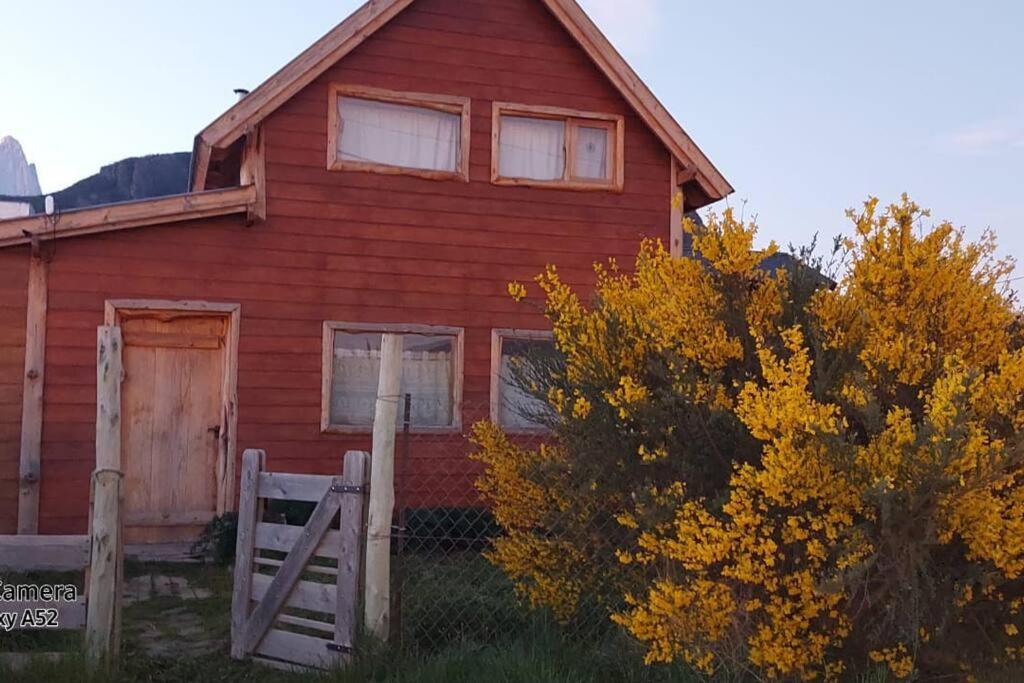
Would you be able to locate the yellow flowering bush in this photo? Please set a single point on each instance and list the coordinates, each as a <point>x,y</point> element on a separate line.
<point>796,482</point>
<point>644,389</point>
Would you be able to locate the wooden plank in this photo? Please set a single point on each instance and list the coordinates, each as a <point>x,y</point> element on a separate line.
<point>288,575</point>
<point>253,462</point>
<point>302,649</point>
<point>377,597</point>
<point>200,165</point>
<point>178,518</point>
<point>309,488</point>
<point>127,215</point>
<point>311,624</point>
<point>350,560</point>
<point>116,309</point>
<point>103,621</point>
<point>310,568</point>
<point>109,374</point>
<point>71,615</point>
<point>307,595</point>
<point>166,340</point>
<point>44,553</point>
<point>283,537</point>
<point>32,396</point>
<point>253,171</point>
<point>228,445</point>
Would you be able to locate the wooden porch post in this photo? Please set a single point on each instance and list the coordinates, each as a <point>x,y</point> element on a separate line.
<point>32,395</point>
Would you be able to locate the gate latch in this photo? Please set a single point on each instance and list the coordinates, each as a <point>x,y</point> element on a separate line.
<point>335,647</point>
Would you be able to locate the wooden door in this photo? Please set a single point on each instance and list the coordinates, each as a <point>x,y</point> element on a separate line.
<point>174,423</point>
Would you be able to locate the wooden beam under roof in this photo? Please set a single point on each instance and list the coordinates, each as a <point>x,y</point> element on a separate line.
<point>123,216</point>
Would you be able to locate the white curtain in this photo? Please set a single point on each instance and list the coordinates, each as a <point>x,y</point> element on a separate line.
<point>531,148</point>
<point>592,152</point>
<point>426,375</point>
<point>517,406</point>
<point>398,135</point>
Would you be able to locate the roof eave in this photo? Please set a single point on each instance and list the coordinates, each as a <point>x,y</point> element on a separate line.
<point>124,215</point>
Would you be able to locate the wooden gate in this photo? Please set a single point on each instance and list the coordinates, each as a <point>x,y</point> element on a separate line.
<point>296,587</point>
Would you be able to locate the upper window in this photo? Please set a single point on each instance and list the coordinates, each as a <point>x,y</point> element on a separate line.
<point>431,376</point>
<point>516,356</point>
<point>546,146</point>
<point>391,132</point>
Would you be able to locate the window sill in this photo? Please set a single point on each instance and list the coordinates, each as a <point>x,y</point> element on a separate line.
<point>366,430</point>
<point>364,167</point>
<point>524,431</point>
<point>573,185</point>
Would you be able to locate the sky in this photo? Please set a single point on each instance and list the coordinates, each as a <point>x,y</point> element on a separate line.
<point>807,107</point>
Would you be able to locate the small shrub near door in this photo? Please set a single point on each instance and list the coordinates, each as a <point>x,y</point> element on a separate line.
<point>761,471</point>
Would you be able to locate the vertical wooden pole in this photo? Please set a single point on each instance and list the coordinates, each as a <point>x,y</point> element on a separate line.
<point>676,236</point>
<point>377,599</point>
<point>103,619</point>
<point>32,397</point>
<point>109,372</point>
<point>103,622</point>
<point>253,462</point>
<point>350,556</point>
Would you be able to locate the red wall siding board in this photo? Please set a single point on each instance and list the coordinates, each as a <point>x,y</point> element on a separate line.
<point>351,247</point>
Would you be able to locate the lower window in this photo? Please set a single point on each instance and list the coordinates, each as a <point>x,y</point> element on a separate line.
<point>431,376</point>
<point>516,355</point>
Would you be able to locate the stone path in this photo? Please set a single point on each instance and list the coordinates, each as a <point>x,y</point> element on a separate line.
<point>152,585</point>
<point>175,632</point>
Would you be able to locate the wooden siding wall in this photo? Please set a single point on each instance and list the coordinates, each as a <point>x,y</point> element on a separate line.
<point>13,299</point>
<point>354,247</point>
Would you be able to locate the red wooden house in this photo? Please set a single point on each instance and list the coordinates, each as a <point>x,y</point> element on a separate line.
<point>393,177</point>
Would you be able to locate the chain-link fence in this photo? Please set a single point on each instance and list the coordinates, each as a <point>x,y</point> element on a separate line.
<point>446,591</point>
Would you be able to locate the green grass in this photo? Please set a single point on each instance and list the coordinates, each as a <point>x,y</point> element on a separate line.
<point>462,625</point>
<point>536,658</point>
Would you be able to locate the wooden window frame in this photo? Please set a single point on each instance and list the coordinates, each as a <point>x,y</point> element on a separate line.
<point>450,104</point>
<point>497,336</point>
<point>327,372</point>
<point>112,311</point>
<point>574,119</point>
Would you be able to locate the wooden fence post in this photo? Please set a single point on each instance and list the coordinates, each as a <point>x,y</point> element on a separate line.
<point>350,556</point>
<point>377,598</point>
<point>253,462</point>
<point>109,372</point>
<point>103,621</point>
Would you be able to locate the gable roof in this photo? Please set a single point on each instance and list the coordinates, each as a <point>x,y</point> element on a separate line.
<point>364,22</point>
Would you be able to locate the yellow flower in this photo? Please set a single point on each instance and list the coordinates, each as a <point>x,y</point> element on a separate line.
<point>517,290</point>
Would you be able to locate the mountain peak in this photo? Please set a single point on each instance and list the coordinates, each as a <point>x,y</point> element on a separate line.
<point>17,176</point>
